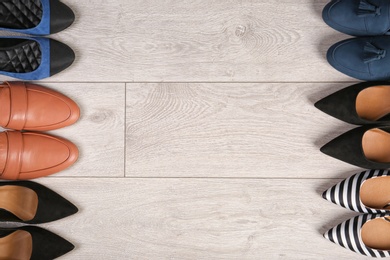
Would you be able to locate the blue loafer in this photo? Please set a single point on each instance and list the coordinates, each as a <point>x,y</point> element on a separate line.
<point>358,17</point>
<point>35,17</point>
<point>31,58</point>
<point>365,58</point>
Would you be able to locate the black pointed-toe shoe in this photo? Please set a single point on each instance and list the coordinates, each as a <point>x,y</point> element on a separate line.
<point>32,243</point>
<point>31,203</point>
<point>367,234</point>
<point>364,192</point>
<point>35,17</point>
<point>359,104</point>
<point>367,147</point>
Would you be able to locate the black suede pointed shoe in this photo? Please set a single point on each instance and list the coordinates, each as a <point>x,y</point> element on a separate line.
<point>31,203</point>
<point>367,147</point>
<point>360,104</point>
<point>33,243</point>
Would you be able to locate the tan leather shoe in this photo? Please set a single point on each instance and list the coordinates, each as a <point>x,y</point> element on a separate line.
<point>28,155</point>
<point>25,106</point>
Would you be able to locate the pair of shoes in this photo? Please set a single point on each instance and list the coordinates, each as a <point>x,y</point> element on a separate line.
<point>34,58</point>
<point>31,203</point>
<point>366,57</point>
<point>368,193</point>
<point>365,104</point>
<point>28,155</point>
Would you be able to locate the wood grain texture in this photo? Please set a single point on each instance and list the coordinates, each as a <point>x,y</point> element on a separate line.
<point>199,219</point>
<point>199,40</point>
<point>267,130</point>
<point>99,133</point>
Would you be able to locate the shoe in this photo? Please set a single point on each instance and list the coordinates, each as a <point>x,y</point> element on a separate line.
<point>32,243</point>
<point>31,58</point>
<point>367,234</point>
<point>366,147</point>
<point>25,106</point>
<point>358,17</point>
<point>365,192</point>
<point>35,17</point>
<point>365,58</point>
<point>31,203</point>
<point>360,104</point>
<point>29,155</point>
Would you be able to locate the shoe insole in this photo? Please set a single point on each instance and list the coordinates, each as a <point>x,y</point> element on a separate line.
<point>375,192</point>
<point>376,145</point>
<point>16,246</point>
<point>376,234</point>
<point>20,55</point>
<point>373,103</point>
<point>20,14</point>
<point>20,201</point>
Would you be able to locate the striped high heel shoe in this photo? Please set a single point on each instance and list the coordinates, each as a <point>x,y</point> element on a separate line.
<point>367,234</point>
<point>365,192</point>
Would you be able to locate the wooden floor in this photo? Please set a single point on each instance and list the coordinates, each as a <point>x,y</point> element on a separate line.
<point>198,137</point>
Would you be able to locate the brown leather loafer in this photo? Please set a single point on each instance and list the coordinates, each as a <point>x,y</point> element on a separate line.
<point>28,155</point>
<point>25,106</point>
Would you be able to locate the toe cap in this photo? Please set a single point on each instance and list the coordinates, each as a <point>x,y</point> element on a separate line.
<point>61,57</point>
<point>61,16</point>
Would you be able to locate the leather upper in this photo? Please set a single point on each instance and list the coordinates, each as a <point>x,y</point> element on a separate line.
<point>31,155</point>
<point>25,106</point>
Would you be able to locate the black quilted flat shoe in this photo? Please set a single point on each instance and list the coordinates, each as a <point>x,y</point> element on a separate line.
<point>31,203</point>
<point>31,58</point>
<point>35,17</point>
<point>359,104</point>
<point>32,243</point>
<point>367,147</point>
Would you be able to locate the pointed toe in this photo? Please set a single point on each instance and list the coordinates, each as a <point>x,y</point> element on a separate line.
<point>329,149</point>
<point>47,245</point>
<point>324,195</point>
<point>61,16</point>
<point>326,235</point>
<point>348,148</point>
<point>61,57</point>
<point>364,103</point>
<point>326,105</point>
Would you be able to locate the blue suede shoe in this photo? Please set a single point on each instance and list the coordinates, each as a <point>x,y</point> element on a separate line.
<point>35,17</point>
<point>31,58</point>
<point>358,17</point>
<point>366,58</point>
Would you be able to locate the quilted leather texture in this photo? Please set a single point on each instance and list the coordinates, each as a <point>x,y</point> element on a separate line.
<point>20,14</point>
<point>24,57</point>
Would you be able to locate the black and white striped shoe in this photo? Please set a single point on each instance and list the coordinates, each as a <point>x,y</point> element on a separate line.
<point>367,234</point>
<point>365,192</point>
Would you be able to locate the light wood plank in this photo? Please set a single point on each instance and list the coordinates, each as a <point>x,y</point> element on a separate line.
<point>231,130</point>
<point>99,133</point>
<point>199,40</point>
<point>199,219</point>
